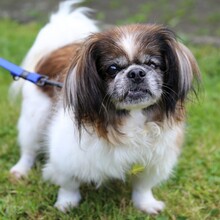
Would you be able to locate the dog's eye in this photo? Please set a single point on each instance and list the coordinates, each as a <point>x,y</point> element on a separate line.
<point>113,70</point>
<point>152,65</point>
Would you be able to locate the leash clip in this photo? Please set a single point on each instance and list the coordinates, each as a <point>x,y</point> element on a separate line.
<point>15,78</point>
<point>42,81</point>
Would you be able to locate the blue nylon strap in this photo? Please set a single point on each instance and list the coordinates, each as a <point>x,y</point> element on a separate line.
<point>17,71</point>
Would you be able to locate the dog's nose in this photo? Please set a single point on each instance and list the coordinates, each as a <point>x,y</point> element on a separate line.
<point>136,75</point>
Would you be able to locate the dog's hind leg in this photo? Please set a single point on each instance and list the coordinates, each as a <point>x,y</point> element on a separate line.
<point>31,125</point>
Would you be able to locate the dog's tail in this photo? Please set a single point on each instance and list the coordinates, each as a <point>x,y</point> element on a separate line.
<point>67,25</point>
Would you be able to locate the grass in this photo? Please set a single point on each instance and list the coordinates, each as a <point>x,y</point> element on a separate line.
<point>191,193</point>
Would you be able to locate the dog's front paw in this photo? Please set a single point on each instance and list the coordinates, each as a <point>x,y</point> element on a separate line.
<point>65,206</point>
<point>147,203</point>
<point>67,199</point>
<point>152,207</point>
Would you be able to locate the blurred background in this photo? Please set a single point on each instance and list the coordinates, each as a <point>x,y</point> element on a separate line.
<point>197,20</point>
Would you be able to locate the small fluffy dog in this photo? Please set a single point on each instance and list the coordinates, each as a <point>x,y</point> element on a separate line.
<point>122,104</point>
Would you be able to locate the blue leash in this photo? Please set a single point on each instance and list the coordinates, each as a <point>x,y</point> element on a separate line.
<point>18,72</point>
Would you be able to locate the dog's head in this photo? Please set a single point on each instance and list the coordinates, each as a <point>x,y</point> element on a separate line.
<point>130,67</point>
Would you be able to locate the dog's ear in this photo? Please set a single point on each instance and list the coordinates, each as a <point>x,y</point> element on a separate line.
<point>188,70</point>
<point>84,89</point>
<point>180,72</point>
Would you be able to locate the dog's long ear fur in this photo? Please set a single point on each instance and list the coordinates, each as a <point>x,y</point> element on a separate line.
<point>181,70</point>
<point>188,69</point>
<point>84,91</point>
<point>83,87</point>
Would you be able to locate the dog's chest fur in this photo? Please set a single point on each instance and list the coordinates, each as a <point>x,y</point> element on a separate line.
<point>93,159</point>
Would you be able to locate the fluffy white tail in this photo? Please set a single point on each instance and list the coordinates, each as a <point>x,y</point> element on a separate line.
<point>65,26</point>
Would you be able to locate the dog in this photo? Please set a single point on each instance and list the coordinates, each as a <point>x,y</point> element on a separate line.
<point>122,104</point>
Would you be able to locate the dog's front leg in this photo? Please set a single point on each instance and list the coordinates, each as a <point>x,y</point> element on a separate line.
<point>68,196</point>
<point>142,195</point>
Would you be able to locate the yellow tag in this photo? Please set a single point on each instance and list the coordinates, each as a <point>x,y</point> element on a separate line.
<point>136,168</point>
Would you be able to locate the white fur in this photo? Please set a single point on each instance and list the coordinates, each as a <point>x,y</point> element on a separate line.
<point>128,44</point>
<point>93,159</point>
<point>34,113</point>
<point>64,27</point>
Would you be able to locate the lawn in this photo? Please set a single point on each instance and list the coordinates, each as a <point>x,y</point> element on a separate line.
<point>193,192</point>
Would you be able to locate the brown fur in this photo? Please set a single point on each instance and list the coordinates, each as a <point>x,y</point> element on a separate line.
<point>55,66</point>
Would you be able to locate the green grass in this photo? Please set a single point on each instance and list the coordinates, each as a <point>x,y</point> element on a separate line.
<point>191,193</point>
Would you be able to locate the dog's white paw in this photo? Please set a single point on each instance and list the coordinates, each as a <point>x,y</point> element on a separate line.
<point>67,200</point>
<point>23,166</point>
<point>147,203</point>
<point>152,207</point>
<point>65,206</point>
<point>18,171</point>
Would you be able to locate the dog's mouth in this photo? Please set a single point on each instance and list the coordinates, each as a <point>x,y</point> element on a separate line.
<point>136,98</point>
<point>136,94</point>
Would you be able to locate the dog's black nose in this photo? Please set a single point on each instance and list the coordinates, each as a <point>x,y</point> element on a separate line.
<point>136,75</point>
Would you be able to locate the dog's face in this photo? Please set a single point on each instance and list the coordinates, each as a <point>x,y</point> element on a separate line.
<point>135,85</point>
<point>133,70</point>
<point>131,67</point>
